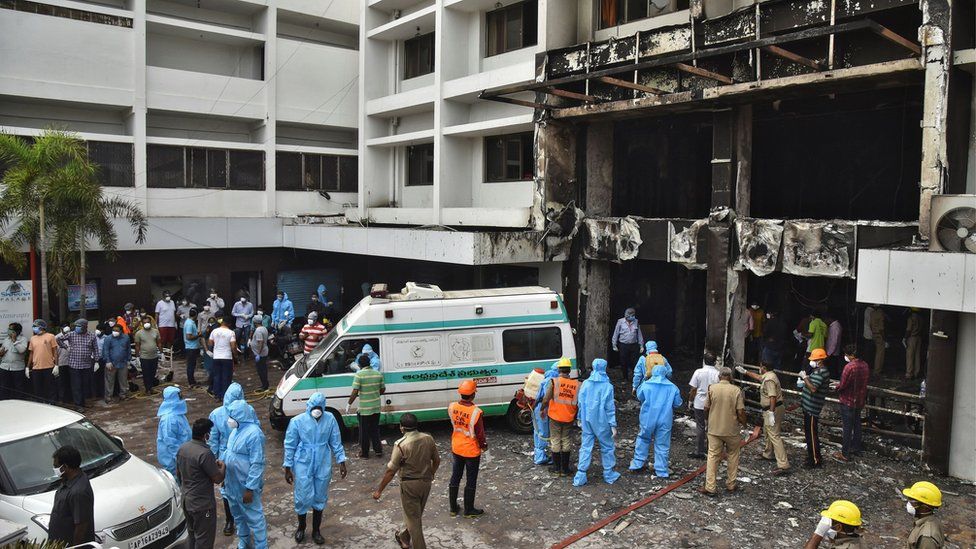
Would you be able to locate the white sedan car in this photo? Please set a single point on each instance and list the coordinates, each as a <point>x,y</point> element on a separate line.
<point>137,505</point>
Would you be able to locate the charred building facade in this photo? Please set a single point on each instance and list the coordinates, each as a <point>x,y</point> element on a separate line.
<point>745,155</point>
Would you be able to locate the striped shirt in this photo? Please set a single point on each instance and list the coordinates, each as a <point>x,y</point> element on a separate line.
<point>813,402</point>
<point>313,334</point>
<point>369,383</point>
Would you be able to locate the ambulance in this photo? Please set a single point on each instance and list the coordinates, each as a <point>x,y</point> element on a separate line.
<point>428,341</point>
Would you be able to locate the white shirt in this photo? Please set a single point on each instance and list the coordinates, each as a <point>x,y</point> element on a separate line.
<point>701,380</point>
<point>221,341</point>
<point>166,313</point>
<point>867,322</point>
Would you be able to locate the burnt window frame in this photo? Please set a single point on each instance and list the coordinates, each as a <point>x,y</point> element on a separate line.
<point>622,11</point>
<point>409,156</point>
<point>528,33</point>
<point>525,139</point>
<point>415,64</point>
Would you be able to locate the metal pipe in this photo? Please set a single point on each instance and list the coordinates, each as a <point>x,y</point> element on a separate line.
<point>834,400</point>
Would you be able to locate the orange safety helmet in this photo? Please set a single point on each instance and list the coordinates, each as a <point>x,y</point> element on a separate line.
<point>467,387</point>
<point>818,354</point>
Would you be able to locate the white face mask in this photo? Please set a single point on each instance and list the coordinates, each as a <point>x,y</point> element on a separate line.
<point>232,423</point>
<point>310,322</point>
<point>213,296</point>
<point>65,329</point>
<point>58,471</point>
<point>769,315</point>
<point>116,334</point>
<point>243,300</point>
<point>847,358</point>
<point>813,363</point>
<point>147,325</point>
<point>316,413</point>
<point>910,508</point>
<point>206,309</point>
<point>98,332</point>
<point>185,302</point>
<point>111,323</point>
<point>166,299</point>
<point>260,313</point>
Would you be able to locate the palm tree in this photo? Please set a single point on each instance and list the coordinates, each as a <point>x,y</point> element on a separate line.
<point>50,198</point>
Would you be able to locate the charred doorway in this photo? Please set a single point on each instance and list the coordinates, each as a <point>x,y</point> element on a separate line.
<point>670,304</point>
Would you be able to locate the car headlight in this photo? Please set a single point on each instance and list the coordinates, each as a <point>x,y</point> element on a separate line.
<point>42,521</point>
<point>276,403</point>
<point>173,486</point>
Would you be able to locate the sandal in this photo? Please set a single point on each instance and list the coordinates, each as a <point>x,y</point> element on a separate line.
<point>396,536</point>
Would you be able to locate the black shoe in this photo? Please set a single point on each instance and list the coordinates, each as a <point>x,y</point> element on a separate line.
<point>452,494</point>
<point>317,538</point>
<point>469,509</point>
<point>229,528</point>
<point>300,531</point>
<point>568,468</point>
<point>557,460</point>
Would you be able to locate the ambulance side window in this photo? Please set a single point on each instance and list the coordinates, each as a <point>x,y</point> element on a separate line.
<point>532,344</point>
<point>341,359</point>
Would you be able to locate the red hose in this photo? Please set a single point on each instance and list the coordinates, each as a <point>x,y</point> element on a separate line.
<point>637,505</point>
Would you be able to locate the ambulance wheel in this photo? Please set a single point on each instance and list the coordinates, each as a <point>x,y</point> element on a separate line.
<point>343,430</point>
<point>519,420</point>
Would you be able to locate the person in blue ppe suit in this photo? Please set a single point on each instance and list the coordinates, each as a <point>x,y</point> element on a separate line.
<point>540,420</point>
<point>659,398</point>
<point>652,356</point>
<point>312,440</point>
<point>374,359</point>
<point>219,434</point>
<point>282,309</point>
<point>173,430</point>
<point>598,417</point>
<point>244,481</point>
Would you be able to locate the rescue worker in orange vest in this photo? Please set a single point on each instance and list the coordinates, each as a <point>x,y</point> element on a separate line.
<point>467,443</point>
<point>561,401</point>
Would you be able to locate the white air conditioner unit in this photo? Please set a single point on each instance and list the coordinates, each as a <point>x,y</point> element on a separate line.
<point>417,290</point>
<point>953,223</point>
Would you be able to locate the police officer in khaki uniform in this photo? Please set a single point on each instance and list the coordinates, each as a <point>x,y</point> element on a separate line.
<point>415,457</point>
<point>726,411</point>
<point>923,499</point>
<point>771,400</point>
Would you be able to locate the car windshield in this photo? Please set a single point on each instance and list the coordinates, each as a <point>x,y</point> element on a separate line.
<point>313,358</point>
<point>29,465</point>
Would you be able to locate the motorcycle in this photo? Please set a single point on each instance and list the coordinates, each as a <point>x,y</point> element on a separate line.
<point>286,345</point>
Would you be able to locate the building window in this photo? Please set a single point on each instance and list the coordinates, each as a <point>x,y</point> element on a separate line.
<point>532,344</point>
<point>618,12</point>
<point>114,161</point>
<point>67,13</point>
<point>172,167</point>
<point>420,165</point>
<point>509,157</point>
<point>316,172</point>
<point>418,56</point>
<point>512,27</point>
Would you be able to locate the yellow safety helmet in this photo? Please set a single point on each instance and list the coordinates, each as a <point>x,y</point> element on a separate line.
<point>564,363</point>
<point>843,511</point>
<point>925,492</point>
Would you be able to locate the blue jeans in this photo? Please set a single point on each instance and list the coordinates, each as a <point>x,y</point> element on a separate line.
<point>223,371</point>
<point>851,424</point>
<point>149,366</point>
<point>81,379</point>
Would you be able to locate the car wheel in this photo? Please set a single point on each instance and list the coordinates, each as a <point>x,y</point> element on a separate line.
<point>344,431</point>
<point>519,419</point>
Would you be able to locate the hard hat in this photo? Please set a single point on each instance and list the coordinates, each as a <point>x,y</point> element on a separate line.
<point>924,492</point>
<point>467,387</point>
<point>564,363</point>
<point>844,512</point>
<point>818,354</point>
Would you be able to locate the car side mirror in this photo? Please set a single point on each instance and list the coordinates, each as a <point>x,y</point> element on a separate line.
<point>119,440</point>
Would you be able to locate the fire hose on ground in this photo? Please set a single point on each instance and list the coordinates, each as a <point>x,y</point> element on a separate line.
<point>602,523</point>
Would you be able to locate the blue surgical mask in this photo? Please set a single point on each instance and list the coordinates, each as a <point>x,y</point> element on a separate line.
<point>36,330</point>
<point>631,317</point>
<point>77,329</point>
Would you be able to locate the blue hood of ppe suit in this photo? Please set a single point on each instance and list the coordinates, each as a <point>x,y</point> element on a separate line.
<point>220,431</point>
<point>172,403</point>
<point>650,346</point>
<point>316,400</point>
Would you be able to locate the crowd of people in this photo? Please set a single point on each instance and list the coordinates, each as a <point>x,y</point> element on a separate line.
<point>85,361</point>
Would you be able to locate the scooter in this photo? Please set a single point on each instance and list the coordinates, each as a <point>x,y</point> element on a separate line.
<point>286,345</point>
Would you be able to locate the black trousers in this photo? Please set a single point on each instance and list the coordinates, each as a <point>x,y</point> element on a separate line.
<point>13,384</point>
<point>81,380</point>
<point>45,385</point>
<point>465,465</point>
<point>629,352</point>
<point>202,526</point>
<point>369,432</point>
<point>811,434</point>
<point>192,355</point>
